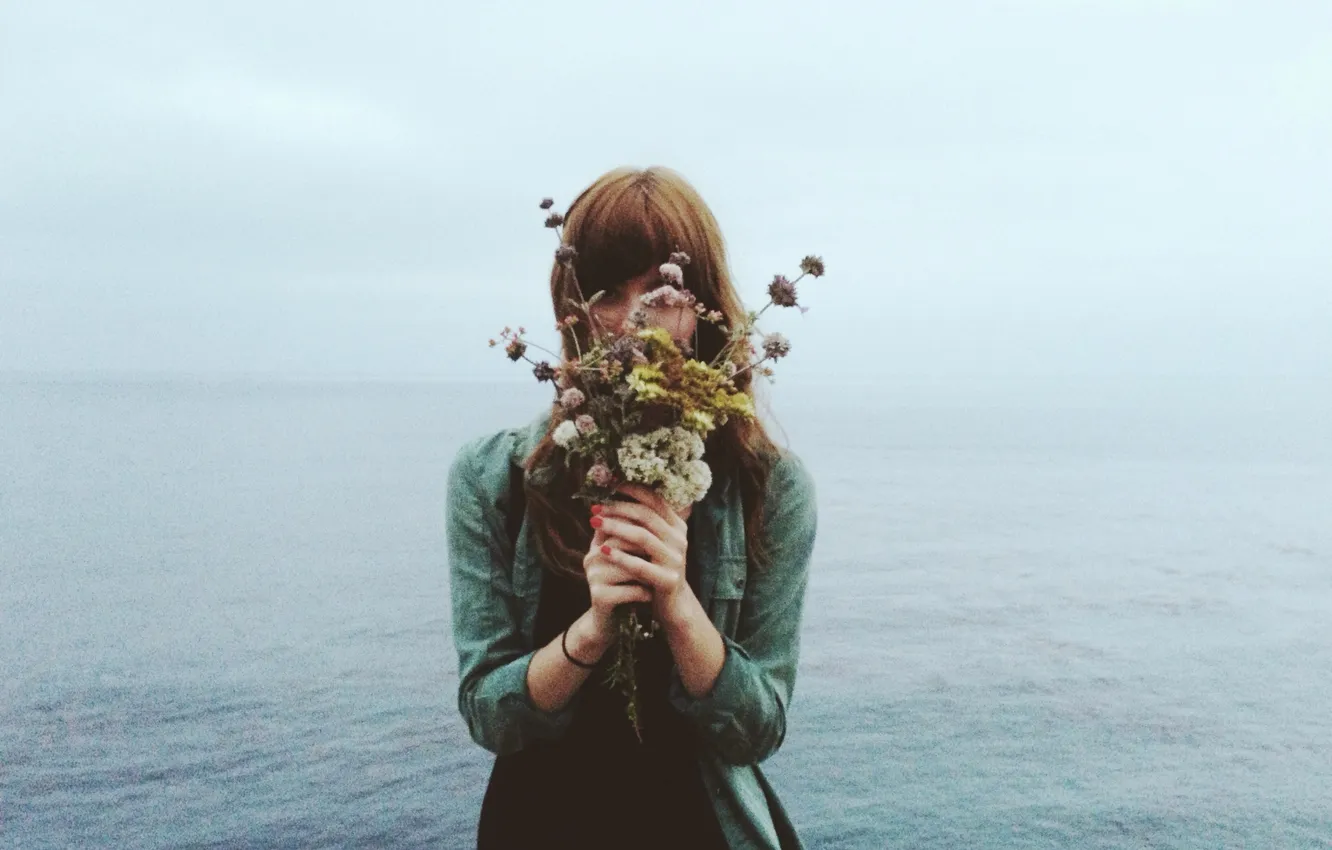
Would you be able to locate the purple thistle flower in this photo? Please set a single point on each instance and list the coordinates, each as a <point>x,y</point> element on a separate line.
<point>566,254</point>
<point>572,398</point>
<point>776,346</point>
<point>585,424</point>
<point>515,349</point>
<point>544,372</point>
<point>547,203</point>
<point>812,266</point>
<point>679,258</point>
<point>672,274</point>
<point>554,220</point>
<point>782,291</point>
<point>600,475</point>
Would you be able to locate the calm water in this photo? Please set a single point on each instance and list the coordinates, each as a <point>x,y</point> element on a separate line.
<point>1036,619</point>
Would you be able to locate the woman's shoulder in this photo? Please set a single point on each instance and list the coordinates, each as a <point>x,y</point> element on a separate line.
<point>489,455</point>
<point>789,476</point>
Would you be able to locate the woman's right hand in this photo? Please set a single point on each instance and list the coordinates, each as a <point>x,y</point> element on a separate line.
<point>610,586</point>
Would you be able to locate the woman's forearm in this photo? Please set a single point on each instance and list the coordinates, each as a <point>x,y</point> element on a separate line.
<point>551,679</point>
<point>696,645</point>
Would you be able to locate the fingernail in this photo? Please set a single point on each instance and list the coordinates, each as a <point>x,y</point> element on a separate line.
<point>596,522</point>
<point>605,550</point>
<point>596,509</point>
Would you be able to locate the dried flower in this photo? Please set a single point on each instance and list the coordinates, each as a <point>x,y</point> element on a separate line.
<point>714,316</point>
<point>564,375</point>
<point>544,372</point>
<point>566,434</point>
<point>515,349</point>
<point>600,475</point>
<point>554,220</point>
<point>572,398</point>
<point>812,266</point>
<point>585,423</point>
<point>566,254</point>
<point>776,346</point>
<point>625,349</point>
<point>679,258</point>
<point>492,343</point>
<point>782,291</point>
<point>547,203</point>
<point>672,274</point>
<point>668,296</point>
<point>636,320</point>
<point>670,460</point>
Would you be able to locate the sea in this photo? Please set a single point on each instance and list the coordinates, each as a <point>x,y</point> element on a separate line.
<point>1055,613</point>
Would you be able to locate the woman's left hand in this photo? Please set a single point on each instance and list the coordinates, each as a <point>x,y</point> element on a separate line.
<point>648,539</point>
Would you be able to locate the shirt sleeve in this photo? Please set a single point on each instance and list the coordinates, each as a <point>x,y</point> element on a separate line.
<point>492,655</point>
<point>743,717</point>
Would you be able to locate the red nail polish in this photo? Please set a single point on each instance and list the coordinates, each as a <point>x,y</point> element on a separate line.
<point>596,509</point>
<point>596,522</point>
<point>605,550</point>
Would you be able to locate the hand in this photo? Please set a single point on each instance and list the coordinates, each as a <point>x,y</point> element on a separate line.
<point>610,585</point>
<point>649,541</point>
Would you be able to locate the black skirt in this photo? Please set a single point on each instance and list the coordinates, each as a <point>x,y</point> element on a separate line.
<point>598,786</point>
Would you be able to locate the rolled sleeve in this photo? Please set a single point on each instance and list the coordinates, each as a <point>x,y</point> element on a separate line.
<point>502,716</point>
<point>743,717</point>
<point>493,657</point>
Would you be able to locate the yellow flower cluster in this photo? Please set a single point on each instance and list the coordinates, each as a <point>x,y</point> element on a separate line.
<point>702,393</point>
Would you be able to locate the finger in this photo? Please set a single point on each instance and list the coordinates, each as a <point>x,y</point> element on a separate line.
<point>604,572</point>
<point>669,532</point>
<point>637,536</point>
<point>593,555</point>
<point>660,579</point>
<point>620,594</point>
<point>649,497</point>
<point>621,544</point>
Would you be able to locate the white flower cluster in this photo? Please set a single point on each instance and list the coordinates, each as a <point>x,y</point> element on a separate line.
<point>566,434</point>
<point>670,461</point>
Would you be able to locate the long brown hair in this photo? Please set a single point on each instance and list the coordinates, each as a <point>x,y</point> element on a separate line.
<point>625,224</point>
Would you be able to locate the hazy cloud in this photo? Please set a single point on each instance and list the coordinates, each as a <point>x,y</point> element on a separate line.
<point>1023,187</point>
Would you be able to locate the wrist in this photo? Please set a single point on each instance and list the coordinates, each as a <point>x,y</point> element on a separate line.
<point>586,642</point>
<point>677,613</point>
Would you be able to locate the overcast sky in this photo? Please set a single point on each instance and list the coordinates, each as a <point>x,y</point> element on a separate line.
<point>1032,187</point>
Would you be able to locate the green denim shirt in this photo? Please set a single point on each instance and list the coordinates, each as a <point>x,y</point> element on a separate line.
<point>495,586</point>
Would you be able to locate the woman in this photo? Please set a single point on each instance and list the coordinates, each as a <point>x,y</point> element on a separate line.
<point>536,575</point>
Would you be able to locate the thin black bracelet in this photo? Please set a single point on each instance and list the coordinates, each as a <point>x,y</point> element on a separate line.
<point>574,661</point>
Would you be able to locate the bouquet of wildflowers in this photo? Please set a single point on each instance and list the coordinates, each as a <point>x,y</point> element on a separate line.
<point>635,406</point>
